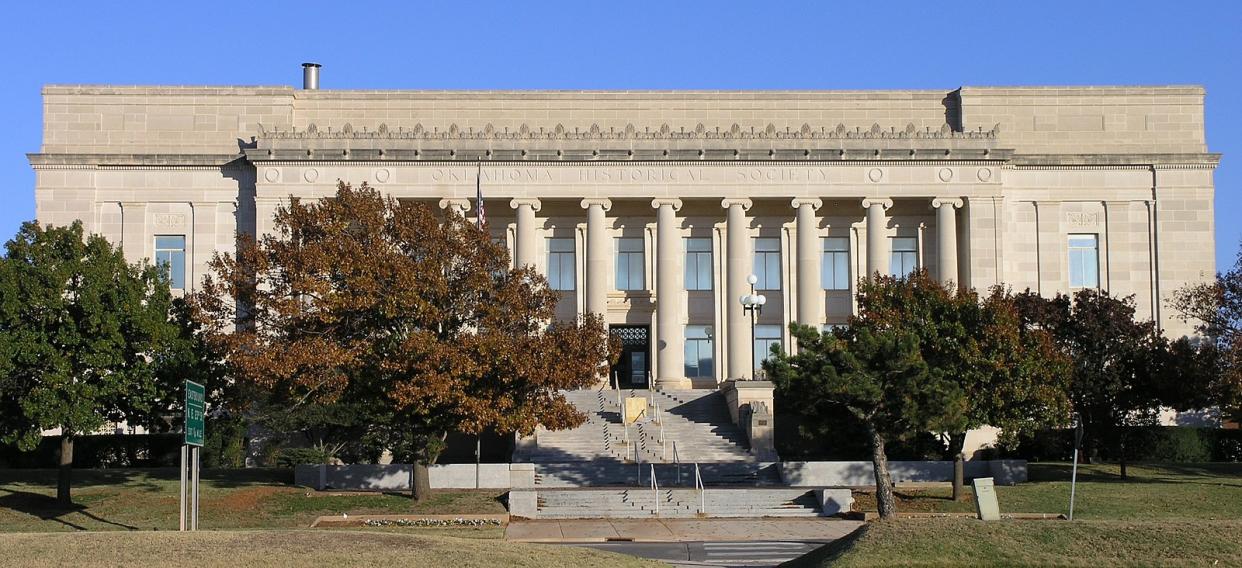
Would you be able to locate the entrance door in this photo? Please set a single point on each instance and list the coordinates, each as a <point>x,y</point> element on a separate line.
<point>632,368</point>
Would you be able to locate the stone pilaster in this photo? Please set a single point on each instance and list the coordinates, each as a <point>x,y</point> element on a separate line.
<point>738,266</point>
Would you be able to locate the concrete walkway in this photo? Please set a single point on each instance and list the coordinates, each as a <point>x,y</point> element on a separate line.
<point>678,530</point>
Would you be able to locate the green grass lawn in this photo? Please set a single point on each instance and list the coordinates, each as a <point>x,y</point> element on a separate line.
<point>1163,515</point>
<point>136,499</point>
<point>967,542</point>
<point>1171,492</point>
<point>261,549</point>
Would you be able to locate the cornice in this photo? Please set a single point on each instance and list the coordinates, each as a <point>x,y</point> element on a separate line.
<point>1114,161</point>
<point>126,161</point>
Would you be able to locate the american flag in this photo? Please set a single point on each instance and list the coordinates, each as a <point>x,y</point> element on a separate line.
<point>481,218</point>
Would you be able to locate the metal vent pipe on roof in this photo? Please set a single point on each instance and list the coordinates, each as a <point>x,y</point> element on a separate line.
<point>310,76</point>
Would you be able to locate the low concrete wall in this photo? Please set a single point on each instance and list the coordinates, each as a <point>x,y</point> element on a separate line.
<point>397,477</point>
<point>860,473</point>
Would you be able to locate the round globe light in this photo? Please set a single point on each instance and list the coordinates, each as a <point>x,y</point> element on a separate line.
<point>761,299</point>
<point>745,299</point>
<point>752,279</point>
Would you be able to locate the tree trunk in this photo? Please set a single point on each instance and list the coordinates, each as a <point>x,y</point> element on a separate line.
<point>422,481</point>
<point>422,462</point>
<point>65,475</point>
<point>1122,456</point>
<point>883,481</point>
<point>957,442</point>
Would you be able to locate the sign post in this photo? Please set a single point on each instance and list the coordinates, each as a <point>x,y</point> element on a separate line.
<point>195,428</point>
<point>1074,471</point>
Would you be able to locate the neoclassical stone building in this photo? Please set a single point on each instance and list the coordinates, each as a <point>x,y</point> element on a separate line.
<point>653,208</point>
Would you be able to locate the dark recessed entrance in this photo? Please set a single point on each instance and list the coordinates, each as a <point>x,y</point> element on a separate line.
<point>632,368</point>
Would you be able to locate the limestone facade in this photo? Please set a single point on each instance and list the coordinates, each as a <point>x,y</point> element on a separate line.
<point>617,192</point>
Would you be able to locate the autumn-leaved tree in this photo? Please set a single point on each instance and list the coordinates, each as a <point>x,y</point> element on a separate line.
<point>875,375</point>
<point>83,335</point>
<point>1012,375</point>
<point>364,298</point>
<point>1214,308</point>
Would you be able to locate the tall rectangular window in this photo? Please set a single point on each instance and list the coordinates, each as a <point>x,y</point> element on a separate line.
<point>630,264</point>
<point>905,256</point>
<point>561,266</point>
<point>1084,261</point>
<point>698,263</point>
<point>699,354</point>
<point>835,265</point>
<point>765,337</point>
<point>768,263</point>
<point>170,252</point>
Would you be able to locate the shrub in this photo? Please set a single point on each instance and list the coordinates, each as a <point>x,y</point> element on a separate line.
<point>289,457</point>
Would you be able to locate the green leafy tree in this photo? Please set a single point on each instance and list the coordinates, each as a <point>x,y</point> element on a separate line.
<point>1013,377</point>
<point>363,298</point>
<point>1122,370</point>
<point>878,377</point>
<point>82,335</point>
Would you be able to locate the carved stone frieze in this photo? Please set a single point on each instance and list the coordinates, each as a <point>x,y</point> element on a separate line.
<point>631,132</point>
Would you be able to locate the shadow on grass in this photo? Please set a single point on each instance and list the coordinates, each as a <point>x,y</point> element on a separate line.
<point>48,508</point>
<point>145,479</point>
<point>1175,473</point>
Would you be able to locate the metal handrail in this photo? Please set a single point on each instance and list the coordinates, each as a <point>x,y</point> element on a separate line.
<point>655,491</point>
<point>677,460</point>
<point>698,484</point>
<point>638,459</point>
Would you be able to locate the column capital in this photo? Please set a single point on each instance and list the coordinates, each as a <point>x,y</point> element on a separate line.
<point>886,203</point>
<point>731,201</point>
<point>814,202</point>
<point>602,202</point>
<point>461,204</point>
<point>675,203</point>
<point>534,203</point>
<point>954,202</point>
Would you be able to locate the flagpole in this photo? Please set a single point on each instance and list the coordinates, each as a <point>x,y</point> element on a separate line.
<point>480,216</point>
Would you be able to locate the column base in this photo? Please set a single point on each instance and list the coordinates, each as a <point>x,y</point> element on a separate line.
<point>674,383</point>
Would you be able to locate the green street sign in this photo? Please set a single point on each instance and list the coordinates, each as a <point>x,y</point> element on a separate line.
<point>195,407</point>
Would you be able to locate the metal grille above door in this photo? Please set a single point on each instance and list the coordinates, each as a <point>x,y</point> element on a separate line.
<point>631,337</point>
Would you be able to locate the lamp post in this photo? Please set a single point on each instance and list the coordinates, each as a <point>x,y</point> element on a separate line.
<point>752,303</point>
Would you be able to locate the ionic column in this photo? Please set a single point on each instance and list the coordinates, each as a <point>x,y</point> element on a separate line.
<point>455,205</point>
<point>946,237</point>
<point>524,245</point>
<point>810,292</point>
<point>737,253</point>
<point>670,297</point>
<point>877,235</point>
<point>596,255</point>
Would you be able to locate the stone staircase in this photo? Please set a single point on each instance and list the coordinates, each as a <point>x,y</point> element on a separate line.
<point>603,469</point>
<point>676,503</point>
<point>690,426</point>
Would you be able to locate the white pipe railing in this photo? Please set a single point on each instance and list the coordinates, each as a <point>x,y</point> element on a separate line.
<point>677,461</point>
<point>638,459</point>
<point>698,484</point>
<point>655,491</point>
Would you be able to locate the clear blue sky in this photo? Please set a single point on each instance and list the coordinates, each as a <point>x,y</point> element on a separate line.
<point>625,45</point>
